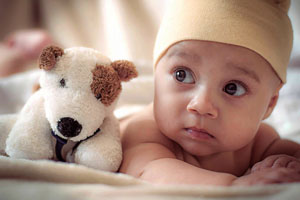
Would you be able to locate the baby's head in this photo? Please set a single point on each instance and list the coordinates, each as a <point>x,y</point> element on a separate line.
<point>219,66</point>
<point>260,25</point>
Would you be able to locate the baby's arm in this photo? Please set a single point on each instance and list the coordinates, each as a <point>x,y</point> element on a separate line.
<point>156,163</point>
<point>280,153</point>
<point>275,160</point>
<point>269,176</point>
<point>149,155</point>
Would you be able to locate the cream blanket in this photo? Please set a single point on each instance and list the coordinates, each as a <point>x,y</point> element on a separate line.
<point>25,179</point>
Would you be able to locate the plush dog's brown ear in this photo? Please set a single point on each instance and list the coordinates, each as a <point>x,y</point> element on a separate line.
<point>125,69</point>
<point>49,56</point>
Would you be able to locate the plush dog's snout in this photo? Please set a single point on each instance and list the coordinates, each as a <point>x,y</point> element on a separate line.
<point>68,127</point>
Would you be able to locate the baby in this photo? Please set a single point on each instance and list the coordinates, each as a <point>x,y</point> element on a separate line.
<point>219,66</point>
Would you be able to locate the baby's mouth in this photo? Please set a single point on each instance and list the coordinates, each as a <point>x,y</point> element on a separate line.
<point>198,133</point>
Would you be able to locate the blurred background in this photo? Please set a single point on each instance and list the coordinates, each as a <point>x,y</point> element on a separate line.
<point>120,29</point>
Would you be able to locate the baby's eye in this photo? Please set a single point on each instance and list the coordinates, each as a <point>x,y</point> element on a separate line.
<point>184,75</point>
<point>234,89</point>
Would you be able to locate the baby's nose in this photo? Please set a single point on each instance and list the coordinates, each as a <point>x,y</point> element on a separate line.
<point>203,104</point>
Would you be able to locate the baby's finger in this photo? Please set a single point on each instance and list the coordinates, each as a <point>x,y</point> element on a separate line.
<point>256,167</point>
<point>266,163</point>
<point>281,162</point>
<point>295,165</point>
<point>280,175</point>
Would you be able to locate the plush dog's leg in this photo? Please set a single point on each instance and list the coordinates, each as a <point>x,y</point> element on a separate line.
<point>6,123</point>
<point>30,137</point>
<point>102,151</point>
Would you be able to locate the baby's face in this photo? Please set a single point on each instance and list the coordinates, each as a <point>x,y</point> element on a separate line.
<point>211,97</point>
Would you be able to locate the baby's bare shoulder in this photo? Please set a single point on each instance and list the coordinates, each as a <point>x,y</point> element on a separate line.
<point>141,128</point>
<point>142,142</point>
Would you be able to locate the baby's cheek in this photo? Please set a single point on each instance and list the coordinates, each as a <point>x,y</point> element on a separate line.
<point>238,135</point>
<point>167,122</point>
<point>167,114</point>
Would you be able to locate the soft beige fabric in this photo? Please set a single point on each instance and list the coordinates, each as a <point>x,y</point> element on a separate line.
<point>58,172</point>
<point>120,29</point>
<point>44,179</point>
<point>16,14</point>
<point>260,25</point>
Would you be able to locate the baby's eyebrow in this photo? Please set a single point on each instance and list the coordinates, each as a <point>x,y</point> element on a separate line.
<point>183,54</point>
<point>177,53</point>
<point>244,71</point>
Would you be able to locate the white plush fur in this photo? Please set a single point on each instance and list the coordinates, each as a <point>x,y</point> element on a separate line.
<point>30,136</point>
<point>6,123</point>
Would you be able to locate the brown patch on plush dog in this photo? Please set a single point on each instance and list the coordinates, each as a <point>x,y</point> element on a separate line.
<point>106,84</point>
<point>49,56</point>
<point>125,69</point>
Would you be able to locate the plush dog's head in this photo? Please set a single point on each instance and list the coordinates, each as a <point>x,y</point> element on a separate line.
<point>80,88</point>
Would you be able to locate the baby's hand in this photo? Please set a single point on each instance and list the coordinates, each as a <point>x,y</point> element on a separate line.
<point>278,161</point>
<point>19,49</point>
<point>28,42</point>
<point>269,176</point>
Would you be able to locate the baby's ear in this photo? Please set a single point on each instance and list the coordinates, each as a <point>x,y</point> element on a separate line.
<point>49,56</point>
<point>272,102</point>
<point>125,69</point>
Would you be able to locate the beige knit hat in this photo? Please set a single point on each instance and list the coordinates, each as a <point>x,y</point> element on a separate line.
<point>260,25</point>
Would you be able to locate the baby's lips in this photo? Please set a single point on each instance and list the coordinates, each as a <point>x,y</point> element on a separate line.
<point>194,129</point>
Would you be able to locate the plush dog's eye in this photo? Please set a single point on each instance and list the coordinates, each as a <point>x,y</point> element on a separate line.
<point>62,83</point>
<point>99,96</point>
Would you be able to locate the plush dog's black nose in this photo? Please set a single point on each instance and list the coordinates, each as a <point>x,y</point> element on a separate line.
<point>68,127</point>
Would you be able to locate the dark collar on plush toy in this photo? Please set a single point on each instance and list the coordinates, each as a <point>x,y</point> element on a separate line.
<point>60,142</point>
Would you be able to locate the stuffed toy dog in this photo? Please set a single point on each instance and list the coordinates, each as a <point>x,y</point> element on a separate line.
<point>70,118</point>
